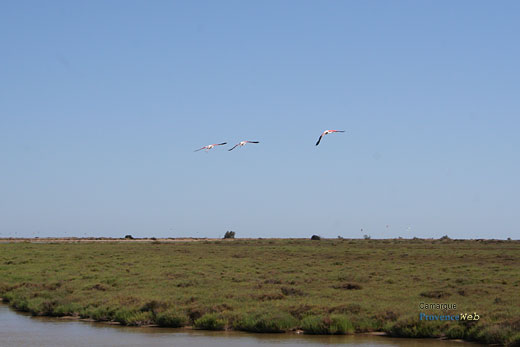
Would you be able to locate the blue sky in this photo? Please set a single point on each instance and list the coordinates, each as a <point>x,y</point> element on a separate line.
<point>103,102</point>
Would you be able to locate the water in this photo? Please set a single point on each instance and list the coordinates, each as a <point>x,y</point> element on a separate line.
<point>23,330</point>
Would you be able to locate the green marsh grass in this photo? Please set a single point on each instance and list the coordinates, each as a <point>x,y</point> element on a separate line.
<point>210,321</point>
<point>323,325</point>
<point>335,286</point>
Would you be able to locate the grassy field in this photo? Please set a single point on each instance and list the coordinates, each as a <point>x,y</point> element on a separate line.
<point>274,285</point>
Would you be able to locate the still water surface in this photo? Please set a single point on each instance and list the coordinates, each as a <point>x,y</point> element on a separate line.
<point>23,330</point>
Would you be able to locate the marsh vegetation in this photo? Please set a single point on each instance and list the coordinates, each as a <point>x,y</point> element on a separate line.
<point>337,286</point>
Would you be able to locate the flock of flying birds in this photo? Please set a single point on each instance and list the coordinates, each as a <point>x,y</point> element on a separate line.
<point>243,143</point>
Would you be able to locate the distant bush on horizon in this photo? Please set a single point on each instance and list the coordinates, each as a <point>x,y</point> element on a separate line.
<point>229,235</point>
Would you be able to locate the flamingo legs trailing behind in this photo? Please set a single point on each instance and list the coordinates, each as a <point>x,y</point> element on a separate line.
<point>241,143</point>
<point>208,147</point>
<point>326,132</point>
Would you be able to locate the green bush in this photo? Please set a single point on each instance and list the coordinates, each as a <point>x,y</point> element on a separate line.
<point>101,313</point>
<point>171,319</point>
<point>210,321</point>
<point>132,317</point>
<point>266,322</point>
<point>363,325</point>
<point>492,334</point>
<point>41,307</point>
<point>456,332</point>
<point>70,309</point>
<point>17,301</point>
<point>334,324</point>
<point>411,327</point>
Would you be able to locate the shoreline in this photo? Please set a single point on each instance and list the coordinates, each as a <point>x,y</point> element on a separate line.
<point>192,328</point>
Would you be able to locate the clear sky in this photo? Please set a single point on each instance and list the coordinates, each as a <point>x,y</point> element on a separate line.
<point>103,102</point>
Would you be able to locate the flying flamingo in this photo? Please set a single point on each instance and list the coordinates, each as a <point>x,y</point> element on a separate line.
<point>242,143</point>
<point>208,147</point>
<point>328,132</point>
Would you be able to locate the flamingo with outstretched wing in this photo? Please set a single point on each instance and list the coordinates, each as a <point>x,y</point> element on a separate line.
<point>208,147</point>
<point>326,132</point>
<point>242,143</point>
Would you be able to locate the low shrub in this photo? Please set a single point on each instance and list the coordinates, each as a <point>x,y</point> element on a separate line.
<point>210,321</point>
<point>411,327</point>
<point>456,332</point>
<point>133,318</point>
<point>101,313</point>
<point>70,309</point>
<point>266,322</point>
<point>19,302</point>
<point>171,319</point>
<point>494,334</point>
<point>153,306</point>
<point>364,325</point>
<point>41,307</point>
<point>334,324</point>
